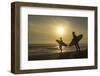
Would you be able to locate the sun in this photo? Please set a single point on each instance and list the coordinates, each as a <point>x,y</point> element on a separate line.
<point>60,30</point>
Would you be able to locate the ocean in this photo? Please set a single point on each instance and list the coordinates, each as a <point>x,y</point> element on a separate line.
<point>37,49</point>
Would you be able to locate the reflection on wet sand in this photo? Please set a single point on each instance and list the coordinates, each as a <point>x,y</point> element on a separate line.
<point>51,51</point>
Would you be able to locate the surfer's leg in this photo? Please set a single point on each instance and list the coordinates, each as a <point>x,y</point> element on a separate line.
<point>60,47</point>
<point>76,47</point>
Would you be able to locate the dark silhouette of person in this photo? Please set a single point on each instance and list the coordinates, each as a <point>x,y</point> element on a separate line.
<point>76,42</point>
<point>60,45</point>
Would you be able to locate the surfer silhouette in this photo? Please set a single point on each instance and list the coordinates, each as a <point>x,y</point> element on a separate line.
<point>75,41</point>
<point>61,43</point>
<point>60,46</point>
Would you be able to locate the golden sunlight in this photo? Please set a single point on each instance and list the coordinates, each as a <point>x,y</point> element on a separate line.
<point>60,30</point>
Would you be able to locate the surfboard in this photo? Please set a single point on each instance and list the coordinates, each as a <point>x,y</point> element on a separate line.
<point>79,37</point>
<point>61,43</point>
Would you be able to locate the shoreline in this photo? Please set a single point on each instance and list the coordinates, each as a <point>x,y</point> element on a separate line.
<point>64,55</point>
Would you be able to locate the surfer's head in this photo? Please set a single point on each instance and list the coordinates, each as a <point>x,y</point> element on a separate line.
<point>73,33</point>
<point>60,38</point>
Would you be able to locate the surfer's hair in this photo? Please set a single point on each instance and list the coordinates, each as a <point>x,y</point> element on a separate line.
<point>73,32</point>
<point>60,37</point>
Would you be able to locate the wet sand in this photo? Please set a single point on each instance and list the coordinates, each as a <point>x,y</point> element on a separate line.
<point>64,55</point>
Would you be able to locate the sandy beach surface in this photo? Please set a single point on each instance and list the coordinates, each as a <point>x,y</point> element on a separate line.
<point>64,55</point>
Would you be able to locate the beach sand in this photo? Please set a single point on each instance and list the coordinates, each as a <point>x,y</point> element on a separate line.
<point>64,55</point>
